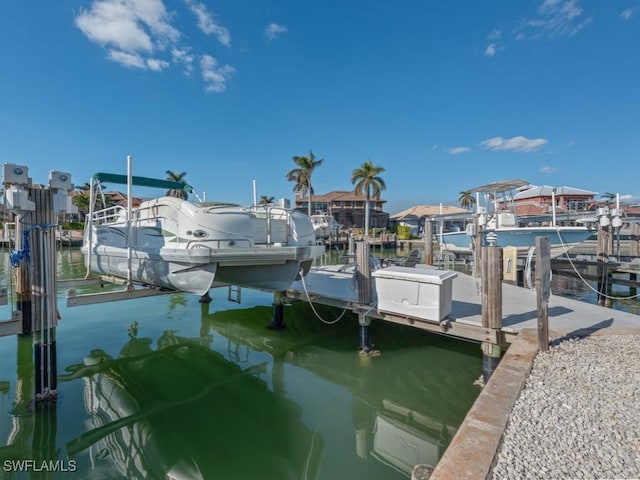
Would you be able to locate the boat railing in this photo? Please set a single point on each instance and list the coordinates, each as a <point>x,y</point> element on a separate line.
<point>273,213</point>
<point>110,215</point>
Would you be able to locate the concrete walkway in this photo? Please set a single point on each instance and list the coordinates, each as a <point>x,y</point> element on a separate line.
<point>519,309</point>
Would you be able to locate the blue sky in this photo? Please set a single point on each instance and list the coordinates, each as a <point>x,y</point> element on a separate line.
<point>445,95</point>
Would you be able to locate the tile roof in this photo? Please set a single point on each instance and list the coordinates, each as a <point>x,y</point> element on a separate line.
<point>546,191</point>
<point>419,211</point>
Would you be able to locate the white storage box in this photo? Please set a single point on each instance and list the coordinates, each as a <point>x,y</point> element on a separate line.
<point>417,292</point>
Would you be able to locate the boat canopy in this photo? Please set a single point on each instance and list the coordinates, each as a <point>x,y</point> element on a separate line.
<point>142,181</point>
<point>500,187</point>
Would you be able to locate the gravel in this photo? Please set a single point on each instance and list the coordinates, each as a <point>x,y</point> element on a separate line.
<point>578,415</point>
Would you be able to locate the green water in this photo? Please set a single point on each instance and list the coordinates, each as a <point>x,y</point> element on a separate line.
<point>167,387</point>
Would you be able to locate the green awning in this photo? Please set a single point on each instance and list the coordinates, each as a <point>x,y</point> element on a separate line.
<point>142,181</point>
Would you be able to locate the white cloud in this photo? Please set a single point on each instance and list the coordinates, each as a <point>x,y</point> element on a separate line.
<point>629,13</point>
<point>458,150</point>
<point>629,198</point>
<point>495,34</point>
<point>207,23</point>
<point>274,30</point>
<point>515,144</point>
<point>548,169</point>
<point>558,18</point>
<point>491,50</point>
<point>133,26</point>
<point>215,76</point>
<point>133,60</point>
<point>182,56</point>
<point>139,34</point>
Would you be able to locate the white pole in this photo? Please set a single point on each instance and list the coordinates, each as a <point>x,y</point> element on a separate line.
<point>255,194</point>
<point>441,225</point>
<point>89,227</point>
<point>129,225</point>
<point>553,207</point>
<point>617,201</point>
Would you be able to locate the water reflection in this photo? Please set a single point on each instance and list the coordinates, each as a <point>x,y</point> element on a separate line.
<point>221,405</point>
<point>183,411</point>
<point>403,414</point>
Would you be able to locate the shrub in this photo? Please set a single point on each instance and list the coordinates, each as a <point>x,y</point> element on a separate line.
<point>404,232</point>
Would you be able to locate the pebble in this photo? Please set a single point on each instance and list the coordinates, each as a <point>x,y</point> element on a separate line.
<point>578,415</point>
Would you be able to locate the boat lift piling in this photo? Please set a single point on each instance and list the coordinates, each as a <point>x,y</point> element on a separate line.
<point>363,282</point>
<point>277,321</point>
<point>34,263</point>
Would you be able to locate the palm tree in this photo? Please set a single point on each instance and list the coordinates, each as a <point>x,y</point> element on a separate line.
<point>608,197</point>
<point>467,200</point>
<point>367,180</point>
<point>177,177</point>
<point>82,199</point>
<point>265,200</point>
<point>302,175</point>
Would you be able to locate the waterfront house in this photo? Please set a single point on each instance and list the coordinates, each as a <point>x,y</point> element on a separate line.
<point>347,208</point>
<point>415,217</point>
<point>534,200</point>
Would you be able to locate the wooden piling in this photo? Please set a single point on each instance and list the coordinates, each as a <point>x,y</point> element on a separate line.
<point>635,239</point>
<point>428,242</point>
<point>23,282</point>
<point>602,256</point>
<point>277,320</point>
<point>491,279</point>
<point>363,285</point>
<point>543,290</point>
<point>477,249</point>
<point>44,304</point>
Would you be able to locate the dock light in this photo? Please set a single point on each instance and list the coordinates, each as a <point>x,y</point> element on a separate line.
<point>492,237</point>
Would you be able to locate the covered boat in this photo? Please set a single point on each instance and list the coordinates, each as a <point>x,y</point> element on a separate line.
<point>170,242</point>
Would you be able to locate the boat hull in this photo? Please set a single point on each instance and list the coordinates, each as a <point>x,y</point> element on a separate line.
<point>562,239</point>
<point>198,270</point>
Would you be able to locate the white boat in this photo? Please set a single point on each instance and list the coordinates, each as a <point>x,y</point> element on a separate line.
<point>191,246</point>
<point>325,225</point>
<point>500,225</point>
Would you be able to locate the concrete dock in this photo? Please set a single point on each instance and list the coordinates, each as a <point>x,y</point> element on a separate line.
<point>334,285</point>
<point>473,450</point>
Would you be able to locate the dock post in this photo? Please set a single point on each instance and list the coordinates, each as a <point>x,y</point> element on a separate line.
<point>23,282</point>
<point>45,309</point>
<point>602,256</point>
<point>428,242</point>
<point>491,275</point>
<point>277,321</point>
<point>477,250</point>
<point>543,290</point>
<point>363,285</point>
<point>635,240</point>
<point>351,245</point>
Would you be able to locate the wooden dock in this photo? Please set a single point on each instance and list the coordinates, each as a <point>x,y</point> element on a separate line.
<point>335,285</point>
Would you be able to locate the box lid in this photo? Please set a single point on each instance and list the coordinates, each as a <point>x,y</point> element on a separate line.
<point>423,275</point>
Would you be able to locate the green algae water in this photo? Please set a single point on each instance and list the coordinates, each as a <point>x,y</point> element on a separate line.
<point>167,387</point>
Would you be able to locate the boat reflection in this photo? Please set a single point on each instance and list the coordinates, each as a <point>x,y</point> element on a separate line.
<point>404,413</point>
<point>182,411</point>
<point>221,405</point>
